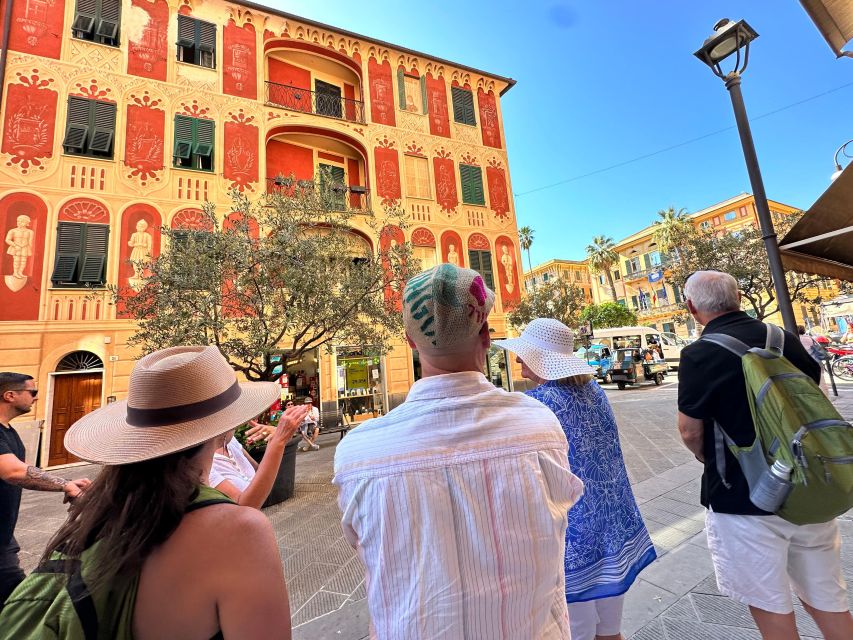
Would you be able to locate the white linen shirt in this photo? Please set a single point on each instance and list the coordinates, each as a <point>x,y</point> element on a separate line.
<point>456,502</point>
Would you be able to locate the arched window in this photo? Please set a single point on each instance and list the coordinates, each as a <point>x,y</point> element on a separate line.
<point>80,361</point>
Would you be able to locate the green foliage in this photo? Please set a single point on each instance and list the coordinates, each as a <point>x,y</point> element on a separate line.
<point>556,299</point>
<point>608,314</point>
<point>601,256</point>
<point>673,228</point>
<point>742,254</point>
<point>303,280</point>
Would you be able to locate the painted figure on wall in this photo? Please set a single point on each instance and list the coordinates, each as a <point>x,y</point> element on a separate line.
<point>508,265</point>
<point>452,256</point>
<point>141,244</point>
<point>20,241</point>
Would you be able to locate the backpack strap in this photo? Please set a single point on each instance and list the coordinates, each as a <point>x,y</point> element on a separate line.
<point>775,342</point>
<point>731,343</point>
<point>81,599</point>
<point>720,453</point>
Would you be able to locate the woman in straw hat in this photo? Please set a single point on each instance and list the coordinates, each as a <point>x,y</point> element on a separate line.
<point>166,568</point>
<point>607,543</point>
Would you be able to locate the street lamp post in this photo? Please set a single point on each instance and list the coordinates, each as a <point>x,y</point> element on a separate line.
<point>734,38</point>
<point>838,168</point>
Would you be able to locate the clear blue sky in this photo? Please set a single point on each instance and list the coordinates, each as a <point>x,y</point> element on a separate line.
<point>602,82</point>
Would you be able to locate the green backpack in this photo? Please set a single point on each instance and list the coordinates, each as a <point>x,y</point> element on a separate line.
<point>794,422</point>
<point>49,605</point>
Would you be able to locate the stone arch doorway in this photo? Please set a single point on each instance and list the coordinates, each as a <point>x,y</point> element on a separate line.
<point>77,384</point>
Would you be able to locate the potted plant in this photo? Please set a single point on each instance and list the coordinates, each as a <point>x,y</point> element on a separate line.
<point>285,479</point>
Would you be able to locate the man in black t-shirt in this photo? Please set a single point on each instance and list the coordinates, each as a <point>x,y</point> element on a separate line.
<point>758,557</point>
<point>17,395</point>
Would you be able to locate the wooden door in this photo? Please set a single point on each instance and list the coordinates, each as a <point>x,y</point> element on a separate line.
<point>74,395</point>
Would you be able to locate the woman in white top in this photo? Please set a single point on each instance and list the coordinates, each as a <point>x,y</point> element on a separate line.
<point>235,474</point>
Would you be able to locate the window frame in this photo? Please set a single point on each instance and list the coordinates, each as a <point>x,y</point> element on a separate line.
<point>197,52</point>
<point>465,178</point>
<point>196,150</point>
<point>96,124</point>
<point>464,111</point>
<point>411,157</point>
<point>478,263</point>
<point>70,264</point>
<point>97,15</point>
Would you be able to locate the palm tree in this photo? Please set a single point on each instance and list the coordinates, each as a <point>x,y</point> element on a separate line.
<point>671,229</point>
<point>602,256</point>
<point>525,239</point>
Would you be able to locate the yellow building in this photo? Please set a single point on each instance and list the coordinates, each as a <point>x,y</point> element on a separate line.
<point>575,272</point>
<point>121,117</point>
<point>640,276</point>
<point>657,303</point>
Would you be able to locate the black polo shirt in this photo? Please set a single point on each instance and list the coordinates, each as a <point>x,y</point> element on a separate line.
<point>10,495</point>
<point>711,387</point>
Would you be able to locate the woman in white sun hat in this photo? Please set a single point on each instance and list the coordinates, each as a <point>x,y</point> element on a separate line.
<point>143,557</point>
<point>607,543</point>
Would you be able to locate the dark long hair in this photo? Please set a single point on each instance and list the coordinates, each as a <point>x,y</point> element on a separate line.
<point>130,509</point>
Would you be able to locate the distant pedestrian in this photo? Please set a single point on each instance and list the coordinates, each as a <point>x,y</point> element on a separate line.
<point>607,543</point>
<point>309,430</point>
<point>18,393</point>
<point>758,557</point>
<point>457,499</point>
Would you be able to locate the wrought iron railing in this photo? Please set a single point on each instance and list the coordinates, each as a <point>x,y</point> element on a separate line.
<point>318,103</point>
<point>335,197</point>
<point>645,273</point>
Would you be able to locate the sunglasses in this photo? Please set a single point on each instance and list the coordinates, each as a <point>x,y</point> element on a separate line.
<point>288,404</point>
<point>33,392</point>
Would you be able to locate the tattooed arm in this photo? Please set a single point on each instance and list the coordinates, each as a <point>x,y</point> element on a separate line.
<point>26,476</point>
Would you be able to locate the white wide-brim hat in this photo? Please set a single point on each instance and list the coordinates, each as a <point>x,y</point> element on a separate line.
<point>547,347</point>
<point>178,398</point>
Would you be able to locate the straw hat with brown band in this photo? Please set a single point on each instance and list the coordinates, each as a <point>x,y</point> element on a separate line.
<point>178,398</point>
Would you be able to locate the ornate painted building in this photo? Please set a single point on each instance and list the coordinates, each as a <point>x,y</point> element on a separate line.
<point>121,117</point>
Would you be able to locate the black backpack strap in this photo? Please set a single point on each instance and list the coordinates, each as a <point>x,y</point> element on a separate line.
<point>83,604</point>
<point>775,342</point>
<point>77,590</point>
<point>727,342</point>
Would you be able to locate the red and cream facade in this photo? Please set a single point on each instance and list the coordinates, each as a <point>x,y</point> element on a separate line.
<point>258,82</point>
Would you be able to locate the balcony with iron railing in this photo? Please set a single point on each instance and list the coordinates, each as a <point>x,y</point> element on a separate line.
<point>658,310</point>
<point>336,197</point>
<point>328,105</point>
<point>645,273</point>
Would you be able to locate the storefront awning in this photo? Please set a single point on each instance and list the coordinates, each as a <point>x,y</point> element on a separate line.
<point>822,241</point>
<point>834,20</point>
<point>838,307</point>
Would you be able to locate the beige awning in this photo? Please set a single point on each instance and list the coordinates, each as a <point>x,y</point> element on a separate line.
<point>822,241</point>
<point>834,20</point>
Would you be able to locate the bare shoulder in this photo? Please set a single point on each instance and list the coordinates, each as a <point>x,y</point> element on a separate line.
<point>223,523</point>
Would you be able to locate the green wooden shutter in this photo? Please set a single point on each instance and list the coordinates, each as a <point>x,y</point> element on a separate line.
<point>186,31</point>
<point>486,266</point>
<point>204,132</point>
<point>206,36</point>
<point>184,138</point>
<point>103,131</point>
<point>77,125</point>
<point>470,115</point>
<point>95,245</point>
<point>634,302</point>
<point>110,18</point>
<point>424,94</point>
<point>474,260</point>
<point>628,267</point>
<point>478,196</point>
<point>69,245</point>
<point>647,261</point>
<point>458,105</point>
<point>465,180</point>
<point>401,88</point>
<point>85,17</point>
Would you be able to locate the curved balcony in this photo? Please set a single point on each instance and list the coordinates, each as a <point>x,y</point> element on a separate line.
<point>320,103</point>
<point>337,196</point>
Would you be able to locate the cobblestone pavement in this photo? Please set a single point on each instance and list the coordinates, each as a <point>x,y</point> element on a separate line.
<point>674,598</point>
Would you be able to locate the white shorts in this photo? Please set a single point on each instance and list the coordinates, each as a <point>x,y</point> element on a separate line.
<point>596,618</point>
<point>760,559</point>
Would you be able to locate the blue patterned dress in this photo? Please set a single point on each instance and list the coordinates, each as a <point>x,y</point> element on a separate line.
<point>607,543</point>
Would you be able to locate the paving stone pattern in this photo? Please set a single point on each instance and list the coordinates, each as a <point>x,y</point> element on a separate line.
<point>674,598</point>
